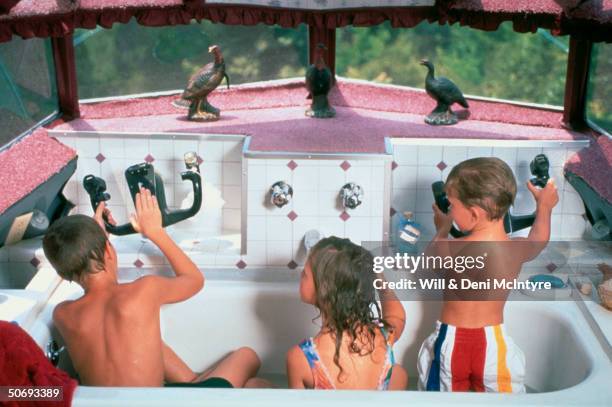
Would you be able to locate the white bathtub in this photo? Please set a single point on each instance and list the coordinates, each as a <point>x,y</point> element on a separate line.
<point>566,362</point>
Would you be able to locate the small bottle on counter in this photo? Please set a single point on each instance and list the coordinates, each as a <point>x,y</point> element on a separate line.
<point>408,233</point>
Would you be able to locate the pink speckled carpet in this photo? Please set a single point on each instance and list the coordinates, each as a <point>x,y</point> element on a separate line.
<point>353,130</point>
<point>273,114</point>
<point>594,165</point>
<point>29,163</point>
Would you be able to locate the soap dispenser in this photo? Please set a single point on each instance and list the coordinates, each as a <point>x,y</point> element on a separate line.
<point>407,234</point>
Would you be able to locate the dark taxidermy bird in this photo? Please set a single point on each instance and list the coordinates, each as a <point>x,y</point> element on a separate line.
<point>201,85</point>
<point>319,80</point>
<point>445,93</point>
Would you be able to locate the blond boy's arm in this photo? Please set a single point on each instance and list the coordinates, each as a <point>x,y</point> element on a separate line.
<point>546,199</point>
<point>189,280</point>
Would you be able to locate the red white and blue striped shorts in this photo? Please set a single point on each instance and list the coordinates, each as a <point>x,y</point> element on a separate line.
<point>471,359</point>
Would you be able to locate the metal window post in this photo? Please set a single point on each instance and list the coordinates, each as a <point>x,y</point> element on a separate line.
<point>322,35</point>
<point>65,74</point>
<point>576,82</point>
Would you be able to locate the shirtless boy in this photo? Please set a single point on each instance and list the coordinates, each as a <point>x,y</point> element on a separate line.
<point>113,332</point>
<point>469,349</point>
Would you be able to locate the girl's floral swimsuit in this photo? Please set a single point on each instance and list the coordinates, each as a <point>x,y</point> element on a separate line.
<point>322,378</point>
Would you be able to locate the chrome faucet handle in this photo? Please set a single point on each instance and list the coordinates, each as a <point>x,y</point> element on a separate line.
<point>53,352</point>
<point>352,195</point>
<point>191,160</point>
<point>281,194</point>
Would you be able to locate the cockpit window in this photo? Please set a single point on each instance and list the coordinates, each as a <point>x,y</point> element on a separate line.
<point>28,91</point>
<point>499,64</point>
<point>131,58</point>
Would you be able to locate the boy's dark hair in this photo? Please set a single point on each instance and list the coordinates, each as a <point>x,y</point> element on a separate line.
<point>486,182</point>
<point>75,245</point>
<point>345,293</point>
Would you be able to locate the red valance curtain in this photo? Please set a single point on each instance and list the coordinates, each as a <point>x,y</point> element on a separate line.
<point>59,19</point>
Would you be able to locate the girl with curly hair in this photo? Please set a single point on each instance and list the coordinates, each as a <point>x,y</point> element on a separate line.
<point>354,348</point>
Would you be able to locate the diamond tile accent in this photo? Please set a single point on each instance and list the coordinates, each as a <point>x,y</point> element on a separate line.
<point>138,263</point>
<point>345,216</point>
<point>441,165</point>
<point>551,267</point>
<point>149,158</point>
<point>392,211</point>
<point>292,216</point>
<point>200,160</point>
<point>394,165</point>
<point>345,165</point>
<point>292,265</point>
<point>241,264</point>
<point>292,165</point>
<point>34,262</point>
<point>100,157</point>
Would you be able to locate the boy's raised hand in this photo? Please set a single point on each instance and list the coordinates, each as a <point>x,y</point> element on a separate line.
<point>103,214</point>
<point>147,219</point>
<point>442,221</point>
<point>546,197</point>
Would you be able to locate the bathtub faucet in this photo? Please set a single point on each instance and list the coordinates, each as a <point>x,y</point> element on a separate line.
<point>281,194</point>
<point>53,352</point>
<point>144,175</point>
<point>539,167</point>
<point>351,195</point>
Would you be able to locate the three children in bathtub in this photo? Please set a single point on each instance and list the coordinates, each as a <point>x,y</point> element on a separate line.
<point>113,335</point>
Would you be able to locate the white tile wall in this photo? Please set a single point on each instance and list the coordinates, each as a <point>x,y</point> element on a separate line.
<point>273,239</point>
<point>256,253</point>
<point>454,155</point>
<point>316,184</point>
<point>412,183</point>
<point>279,252</point>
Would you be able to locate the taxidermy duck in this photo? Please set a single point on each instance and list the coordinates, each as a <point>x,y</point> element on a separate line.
<point>318,82</point>
<point>201,85</point>
<point>445,93</point>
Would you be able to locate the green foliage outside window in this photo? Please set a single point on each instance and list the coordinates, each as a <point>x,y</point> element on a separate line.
<point>501,64</point>
<point>130,58</point>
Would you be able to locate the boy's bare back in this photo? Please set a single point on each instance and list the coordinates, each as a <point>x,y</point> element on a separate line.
<point>113,331</point>
<point>114,336</point>
<point>476,311</point>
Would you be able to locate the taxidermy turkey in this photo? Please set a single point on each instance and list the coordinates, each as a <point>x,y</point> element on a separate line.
<point>445,93</point>
<point>201,85</point>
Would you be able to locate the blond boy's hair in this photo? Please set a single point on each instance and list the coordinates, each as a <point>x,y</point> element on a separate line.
<point>486,182</point>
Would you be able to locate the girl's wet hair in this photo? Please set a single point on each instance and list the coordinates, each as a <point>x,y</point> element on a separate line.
<point>345,294</point>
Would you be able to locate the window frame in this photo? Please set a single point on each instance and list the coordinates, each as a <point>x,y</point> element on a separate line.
<point>56,112</point>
